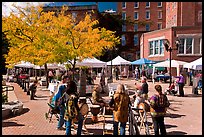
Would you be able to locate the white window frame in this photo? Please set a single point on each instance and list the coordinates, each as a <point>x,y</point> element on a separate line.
<point>159,15</point>
<point>136,35</point>
<point>201,45</point>
<point>125,5</point>
<point>147,11</point>
<point>158,26</point>
<point>137,5</point>
<point>125,15</point>
<point>153,40</point>
<point>158,4</point>
<point>137,15</point>
<point>192,44</point>
<point>146,5</point>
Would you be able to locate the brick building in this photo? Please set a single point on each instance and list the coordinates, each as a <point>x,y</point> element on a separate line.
<point>145,17</point>
<point>77,12</point>
<point>183,22</point>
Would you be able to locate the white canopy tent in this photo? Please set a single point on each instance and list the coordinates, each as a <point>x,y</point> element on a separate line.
<point>24,64</point>
<point>174,63</point>
<point>196,64</point>
<point>118,61</point>
<point>92,62</point>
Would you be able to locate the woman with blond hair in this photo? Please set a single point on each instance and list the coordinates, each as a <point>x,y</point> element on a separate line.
<point>120,102</point>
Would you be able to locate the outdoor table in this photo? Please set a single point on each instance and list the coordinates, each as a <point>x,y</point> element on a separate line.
<point>163,77</point>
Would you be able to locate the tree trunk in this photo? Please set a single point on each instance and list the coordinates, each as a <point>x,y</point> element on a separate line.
<point>82,89</point>
<point>46,74</point>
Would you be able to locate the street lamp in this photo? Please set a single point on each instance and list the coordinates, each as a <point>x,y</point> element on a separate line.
<point>169,49</point>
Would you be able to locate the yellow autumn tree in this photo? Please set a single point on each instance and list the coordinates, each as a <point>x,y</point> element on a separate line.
<point>76,40</point>
<point>42,37</point>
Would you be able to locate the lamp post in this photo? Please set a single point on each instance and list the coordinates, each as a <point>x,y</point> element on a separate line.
<point>170,49</point>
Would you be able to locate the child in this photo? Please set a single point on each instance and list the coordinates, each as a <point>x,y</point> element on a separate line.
<point>137,99</point>
<point>33,88</point>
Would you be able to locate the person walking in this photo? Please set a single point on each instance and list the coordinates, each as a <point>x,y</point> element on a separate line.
<point>72,111</point>
<point>120,102</point>
<point>158,105</point>
<point>58,102</point>
<point>181,83</point>
<point>136,73</point>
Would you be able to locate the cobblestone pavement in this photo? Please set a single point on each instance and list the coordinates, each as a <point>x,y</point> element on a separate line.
<point>184,115</point>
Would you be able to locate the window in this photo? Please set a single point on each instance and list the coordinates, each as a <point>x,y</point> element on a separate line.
<point>135,40</point>
<point>159,14</point>
<point>159,4</point>
<point>135,27</point>
<point>200,16</point>
<point>147,4</point>
<point>200,45</point>
<point>189,42</point>
<point>74,15</point>
<point>186,46</point>
<point>151,48</point>
<point>156,48</point>
<point>161,47</point>
<point>197,46</point>
<point>124,16</point>
<point>159,25</point>
<point>136,16</point>
<point>123,40</point>
<point>147,26</point>
<point>136,5</point>
<point>147,14</point>
<point>123,28</point>
<point>123,5</point>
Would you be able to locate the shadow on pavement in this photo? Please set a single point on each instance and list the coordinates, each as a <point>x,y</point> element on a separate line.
<point>95,131</point>
<point>8,124</point>
<point>170,126</point>
<point>25,110</point>
<point>171,115</point>
<point>193,95</point>
<point>176,133</point>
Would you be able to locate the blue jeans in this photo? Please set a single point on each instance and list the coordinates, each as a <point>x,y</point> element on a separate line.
<point>122,128</point>
<point>69,124</point>
<point>61,118</point>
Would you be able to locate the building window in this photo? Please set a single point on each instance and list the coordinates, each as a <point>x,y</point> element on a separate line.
<point>159,4</point>
<point>200,16</point>
<point>151,48</point>
<point>161,47</point>
<point>156,47</point>
<point>123,28</point>
<point>147,26</point>
<point>123,5</point>
<point>186,46</point>
<point>135,40</point>
<point>135,27</point>
<point>159,14</point>
<point>147,14</point>
<point>74,15</point>
<point>147,4</point>
<point>159,25</point>
<point>189,43</point>
<point>124,16</point>
<point>136,16</point>
<point>123,40</point>
<point>129,56</point>
<point>136,5</point>
<point>200,45</point>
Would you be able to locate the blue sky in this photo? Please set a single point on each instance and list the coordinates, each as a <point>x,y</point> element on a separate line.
<point>7,7</point>
<point>102,5</point>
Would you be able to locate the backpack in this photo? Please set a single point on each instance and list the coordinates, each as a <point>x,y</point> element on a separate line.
<point>161,102</point>
<point>71,111</point>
